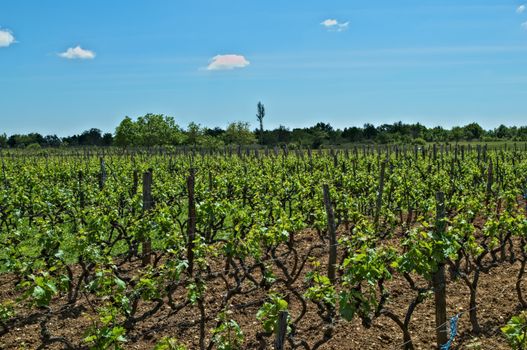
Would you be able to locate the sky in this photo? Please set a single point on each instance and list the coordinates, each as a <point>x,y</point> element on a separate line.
<point>67,66</point>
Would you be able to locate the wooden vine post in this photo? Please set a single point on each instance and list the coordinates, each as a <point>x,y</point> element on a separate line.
<point>210,229</point>
<point>81,192</point>
<point>379,195</point>
<point>136,182</point>
<point>438,279</point>
<point>102,175</point>
<point>490,177</point>
<point>147,205</point>
<point>3,172</point>
<point>332,230</point>
<point>281,330</point>
<point>191,228</point>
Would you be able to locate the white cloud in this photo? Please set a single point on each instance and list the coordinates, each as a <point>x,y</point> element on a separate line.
<point>329,23</point>
<point>77,52</point>
<point>524,25</point>
<point>226,62</point>
<point>334,25</point>
<point>6,38</point>
<point>343,26</point>
<point>521,9</point>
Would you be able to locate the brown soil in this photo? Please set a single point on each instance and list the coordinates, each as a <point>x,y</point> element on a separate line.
<point>497,302</point>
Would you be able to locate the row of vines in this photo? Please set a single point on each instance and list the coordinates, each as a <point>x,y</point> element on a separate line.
<point>254,250</point>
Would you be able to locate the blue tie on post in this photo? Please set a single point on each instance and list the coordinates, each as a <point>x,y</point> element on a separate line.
<point>453,332</point>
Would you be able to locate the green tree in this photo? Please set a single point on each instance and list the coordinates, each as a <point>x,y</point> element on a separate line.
<point>457,133</point>
<point>211,141</point>
<point>436,134</point>
<point>126,133</point>
<point>148,130</point>
<point>157,129</point>
<point>260,114</point>
<point>353,134</point>
<point>52,141</point>
<point>473,131</point>
<point>301,136</point>
<point>369,131</point>
<point>283,134</point>
<point>239,133</point>
<point>522,133</point>
<point>92,137</point>
<point>502,132</point>
<point>3,140</point>
<point>194,134</point>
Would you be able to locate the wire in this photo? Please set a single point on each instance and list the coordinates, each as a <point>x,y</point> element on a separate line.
<point>458,315</point>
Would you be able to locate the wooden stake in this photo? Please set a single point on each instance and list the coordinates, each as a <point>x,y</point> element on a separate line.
<point>281,330</point>
<point>81,192</point>
<point>102,175</point>
<point>147,205</point>
<point>191,228</point>
<point>379,194</point>
<point>332,235</point>
<point>438,279</point>
<point>136,182</point>
<point>490,177</point>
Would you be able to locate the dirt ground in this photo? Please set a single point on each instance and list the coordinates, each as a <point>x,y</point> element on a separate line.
<point>497,302</point>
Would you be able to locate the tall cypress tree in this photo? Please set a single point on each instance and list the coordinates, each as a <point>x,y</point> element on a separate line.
<point>260,114</point>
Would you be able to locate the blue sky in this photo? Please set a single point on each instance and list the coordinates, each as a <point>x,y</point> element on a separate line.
<point>66,66</point>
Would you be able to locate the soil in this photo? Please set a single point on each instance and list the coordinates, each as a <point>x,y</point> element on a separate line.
<point>497,302</point>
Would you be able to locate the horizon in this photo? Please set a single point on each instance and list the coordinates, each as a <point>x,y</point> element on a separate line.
<point>68,67</point>
<point>254,128</point>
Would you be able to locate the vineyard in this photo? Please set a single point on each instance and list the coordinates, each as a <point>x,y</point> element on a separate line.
<point>363,248</point>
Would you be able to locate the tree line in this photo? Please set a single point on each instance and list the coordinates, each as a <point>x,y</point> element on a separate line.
<point>157,129</point>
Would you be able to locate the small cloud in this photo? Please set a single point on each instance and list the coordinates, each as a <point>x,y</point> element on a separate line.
<point>521,9</point>
<point>334,25</point>
<point>77,53</point>
<point>524,25</point>
<point>227,62</point>
<point>6,38</point>
<point>330,23</point>
<point>343,26</point>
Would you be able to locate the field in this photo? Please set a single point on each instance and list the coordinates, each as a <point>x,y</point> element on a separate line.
<point>364,248</point>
